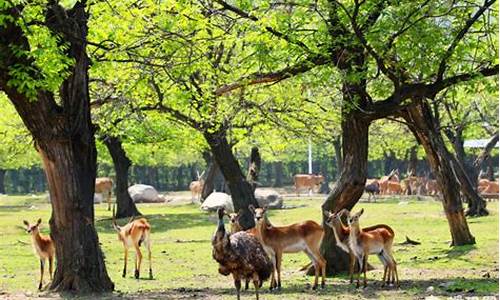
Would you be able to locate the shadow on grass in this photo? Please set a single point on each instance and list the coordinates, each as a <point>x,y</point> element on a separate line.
<point>163,222</point>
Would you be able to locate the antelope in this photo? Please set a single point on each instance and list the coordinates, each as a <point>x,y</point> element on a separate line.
<point>133,234</point>
<point>377,242</point>
<point>196,187</point>
<point>305,236</point>
<point>43,246</point>
<point>104,186</point>
<point>393,176</point>
<point>341,234</point>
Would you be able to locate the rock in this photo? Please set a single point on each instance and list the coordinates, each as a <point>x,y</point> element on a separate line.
<point>216,200</point>
<point>269,198</point>
<point>98,198</point>
<point>430,289</point>
<point>144,193</point>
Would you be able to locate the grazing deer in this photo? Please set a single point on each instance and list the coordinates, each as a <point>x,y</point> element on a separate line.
<point>196,187</point>
<point>341,234</point>
<point>43,246</point>
<point>377,242</point>
<point>305,236</point>
<point>104,186</point>
<point>133,234</point>
<point>393,176</point>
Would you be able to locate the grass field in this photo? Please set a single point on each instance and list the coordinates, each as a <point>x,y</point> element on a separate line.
<point>184,269</point>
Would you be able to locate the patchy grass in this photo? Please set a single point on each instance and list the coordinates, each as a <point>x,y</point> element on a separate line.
<point>183,265</point>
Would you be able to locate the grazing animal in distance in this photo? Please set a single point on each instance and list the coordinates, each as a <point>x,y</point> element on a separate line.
<point>104,186</point>
<point>341,234</point>
<point>372,187</point>
<point>43,247</point>
<point>393,176</point>
<point>310,182</point>
<point>196,187</point>
<point>241,255</point>
<point>432,187</point>
<point>377,242</point>
<point>305,236</point>
<point>134,234</point>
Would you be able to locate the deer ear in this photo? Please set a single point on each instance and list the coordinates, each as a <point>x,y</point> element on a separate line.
<point>361,212</point>
<point>251,208</point>
<point>39,221</point>
<point>26,223</point>
<point>326,213</point>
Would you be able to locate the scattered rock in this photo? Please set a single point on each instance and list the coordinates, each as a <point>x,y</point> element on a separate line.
<point>144,193</point>
<point>486,275</point>
<point>268,197</point>
<point>403,203</point>
<point>216,200</point>
<point>430,289</point>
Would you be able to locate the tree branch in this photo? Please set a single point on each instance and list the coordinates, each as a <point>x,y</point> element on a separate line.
<point>486,151</point>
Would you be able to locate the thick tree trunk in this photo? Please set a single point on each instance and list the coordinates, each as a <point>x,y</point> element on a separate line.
<point>213,180</point>
<point>125,206</point>
<point>349,187</point>
<point>412,165</point>
<point>2,181</point>
<point>241,191</point>
<point>63,134</point>
<point>424,127</point>
<point>278,171</point>
<point>337,145</point>
<point>254,168</point>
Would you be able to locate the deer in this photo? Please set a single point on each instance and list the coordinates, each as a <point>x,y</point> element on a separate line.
<point>363,243</point>
<point>104,186</point>
<point>134,234</point>
<point>341,234</point>
<point>393,176</point>
<point>43,246</point>
<point>305,236</point>
<point>196,187</point>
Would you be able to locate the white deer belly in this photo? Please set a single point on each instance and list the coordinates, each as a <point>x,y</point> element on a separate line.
<point>295,247</point>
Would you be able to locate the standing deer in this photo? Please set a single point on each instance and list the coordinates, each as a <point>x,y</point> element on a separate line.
<point>196,187</point>
<point>104,186</point>
<point>133,234</point>
<point>305,236</point>
<point>383,182</point>
<point>341,234</point>
<point>377,242</point>
<point>43,246</point>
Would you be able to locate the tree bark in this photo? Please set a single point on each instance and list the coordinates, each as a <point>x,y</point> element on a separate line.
<point>254,168</point>
<point>423,125</point>
<point>64,137</point>
<point>278,170</point>
<point>241,190</point>
<point>125,206</point>
<point>2,181</point>
<point>337,144</point>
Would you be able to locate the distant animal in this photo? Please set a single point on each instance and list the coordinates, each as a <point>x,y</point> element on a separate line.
<point>488,189</point>
<point>196,187</point>
<point>43,246</point>
<point>134,234</point>
<point>432,187</point>
<point>241,255</point>
<point>372,187</point>
<point>309,182</point>
<point>377,242</point>
<point>383,182</point>
<point>341,234</point>
<point>393,188</point>
<point>104,186</point>
<point>305,236</point>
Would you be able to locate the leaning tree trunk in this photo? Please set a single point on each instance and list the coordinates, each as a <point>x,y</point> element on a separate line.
<point>241,191</point>
<point>64,137</point>
<point>423,125</point>
<point>125,206</point>
<point>349,187</point>
<point>254,168</point>
<point>2,181</point>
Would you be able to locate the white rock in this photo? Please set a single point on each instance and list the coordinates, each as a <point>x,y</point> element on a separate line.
<point>430,289</point>
<point>269,197</point>
<point>144,193</point>
<point>216,200</point>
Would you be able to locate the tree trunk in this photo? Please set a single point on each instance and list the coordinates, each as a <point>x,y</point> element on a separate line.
<point>423,125</point>
<point>350,185</point>
<point>412,166</point>
<point>241,191</point>
<point>254,168</point>
<point>278,170</point>
<point>337,144</point>
<point>125,206</point>
<point>2,181</point>
<point>64,137</point>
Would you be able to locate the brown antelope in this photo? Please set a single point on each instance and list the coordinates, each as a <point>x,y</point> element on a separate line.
<point>341,234</point>
<point>305,236</point>
<point>104,186</point>
<point>133,234</point>
<point>43,247</point>
<point>393,176</point>
<point>432,187</point>
<point>196,187</point>
<point>377,242</point>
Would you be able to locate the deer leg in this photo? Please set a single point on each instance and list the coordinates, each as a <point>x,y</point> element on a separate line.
<point>352,262</point>
<point>51,260</point>
<point>273,279</point>
<point>237,285</point>
<point>320,265</point>
<point>365,260</point>
<point>125,263</point>
<point>256,284</point>
<point>278,268</point>
<point>138,259</point>
<point>42,263</point>
<point>109,200</point>
<point>148,245</point>
<point>360,262</point>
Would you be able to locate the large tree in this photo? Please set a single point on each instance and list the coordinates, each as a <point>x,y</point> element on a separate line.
<point>49,90</point>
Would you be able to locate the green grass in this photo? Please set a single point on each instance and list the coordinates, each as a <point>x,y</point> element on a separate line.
<point>183,266</point>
